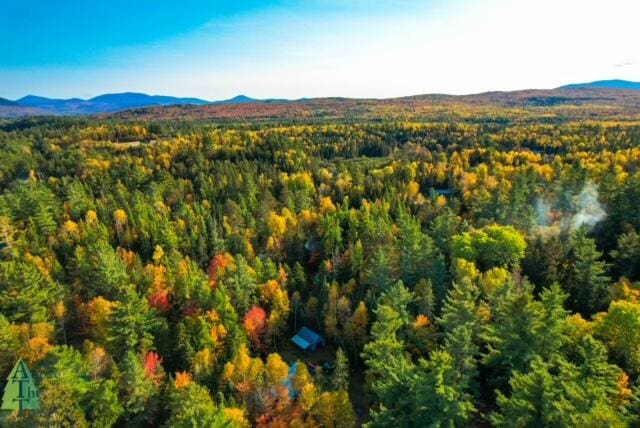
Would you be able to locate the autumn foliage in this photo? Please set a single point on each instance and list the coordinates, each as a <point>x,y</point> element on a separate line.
<point>470,260</point>
<point>255,325</point>
<point>217,267</point>
<point>153,367</point>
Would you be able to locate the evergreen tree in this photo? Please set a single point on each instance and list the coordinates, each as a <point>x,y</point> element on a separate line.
<point>242,285</point>
<point>627,255</point>
<point>341,371</point>
<point>398,298</point>
<point>380,274</point>
<point>131,324</point>
<point>26,294</point>
<point>461,304</point>
<point>385,345</point>
<point>102,404</point>
<point>344,414</point>
<point>462,324</point>
<point>461,344</point>
<point>192,406</point>
<point>544,262</point>
<point>586,279</point>
<point>417,255</point>
<point>425,298</point>
<point>139,394</point>
<point>560,393</point>
<point>103,272</point>
<point>430,394</point>
<point>523,329</point>
<point>443,228</point>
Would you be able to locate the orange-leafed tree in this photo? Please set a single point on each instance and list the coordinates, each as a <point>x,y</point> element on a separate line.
<point>255,325</point>
<point>182,380</point>
<point>217,267</point>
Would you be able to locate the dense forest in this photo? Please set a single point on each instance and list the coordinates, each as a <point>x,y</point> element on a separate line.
<point>475,272</point>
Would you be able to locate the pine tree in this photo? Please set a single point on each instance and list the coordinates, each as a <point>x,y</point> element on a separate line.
<point>586,280</point>
<point>429,394</point>
<point>25,293</point>
<point>384,345</point>
<point>131,324</point>
<point>242,285</point>
<point>103,272</point>
<point>627,255</point>
<point>398,297</point>
<point>561,393</point>
<point>523,329</point>
<point>345,415</point>
<point>443,228</point>
<point>139,394</point>
<point>102,404</point>
<point>425,298</point>
<point>418,257</point>
<point>461,304</point>
<point>462,324</point>
<point>464,350</point>
<point>544,262</point>
<point>380,274</point>
<point>340,377</point>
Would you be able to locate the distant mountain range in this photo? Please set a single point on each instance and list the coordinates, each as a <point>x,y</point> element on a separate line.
<point>110,103</point>
<point>113,103</point>
<point>604,84</point>
<point>102,103</point>
<point>107,103</point>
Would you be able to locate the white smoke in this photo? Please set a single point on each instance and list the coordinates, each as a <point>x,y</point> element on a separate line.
<point>542,212</point>
<point>590,211</point>
<point>586,207</point>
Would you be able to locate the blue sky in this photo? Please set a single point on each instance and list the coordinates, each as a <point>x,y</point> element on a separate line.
<point>214,49</point>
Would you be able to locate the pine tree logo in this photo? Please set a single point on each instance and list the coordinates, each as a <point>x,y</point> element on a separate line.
<point>20,392</point>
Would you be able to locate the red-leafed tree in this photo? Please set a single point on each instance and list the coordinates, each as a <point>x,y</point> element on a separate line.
<point>255,325</point>
<point>153,367</point>
<point>160,301</point>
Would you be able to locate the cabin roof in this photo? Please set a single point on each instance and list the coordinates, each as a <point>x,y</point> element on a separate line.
<point>307,338</point>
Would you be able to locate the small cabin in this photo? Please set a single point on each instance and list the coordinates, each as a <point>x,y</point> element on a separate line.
<point>307,339</point>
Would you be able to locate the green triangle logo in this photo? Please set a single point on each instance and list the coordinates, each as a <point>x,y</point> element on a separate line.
<point>20,393</point>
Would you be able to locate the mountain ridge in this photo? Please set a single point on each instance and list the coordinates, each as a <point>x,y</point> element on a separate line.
<point>550,104</point>
<point>6,102</point>
<point>108,103</point>
<point>604,84</point>
<point>129,103</point>
<point>113,102</point>
<point>104,103</point>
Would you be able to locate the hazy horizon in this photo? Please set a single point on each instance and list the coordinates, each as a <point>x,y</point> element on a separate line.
<point>289,49</point>
<point>287,99</point>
